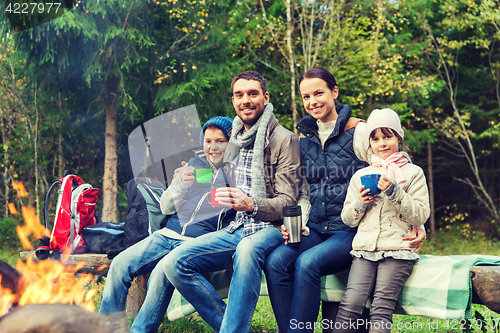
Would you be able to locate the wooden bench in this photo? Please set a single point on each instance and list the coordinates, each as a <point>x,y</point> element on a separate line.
<point>485,283</point>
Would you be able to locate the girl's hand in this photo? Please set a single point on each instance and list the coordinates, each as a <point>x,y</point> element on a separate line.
<point>384,182</point>
<point>187,175</point>
<point>364,197</point>
<point>284,232</point>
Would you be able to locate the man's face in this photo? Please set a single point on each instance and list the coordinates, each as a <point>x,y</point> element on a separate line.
<point>249,101</point>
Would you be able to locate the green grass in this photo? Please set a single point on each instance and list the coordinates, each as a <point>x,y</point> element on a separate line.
<point>459,240</point>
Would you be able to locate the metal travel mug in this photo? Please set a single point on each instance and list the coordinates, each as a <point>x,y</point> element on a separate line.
<point>292,219</point>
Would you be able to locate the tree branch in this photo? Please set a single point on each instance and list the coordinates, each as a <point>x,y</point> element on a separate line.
<point>128,14</point>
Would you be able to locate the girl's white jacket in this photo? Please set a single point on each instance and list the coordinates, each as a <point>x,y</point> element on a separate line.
<point>383,223</point>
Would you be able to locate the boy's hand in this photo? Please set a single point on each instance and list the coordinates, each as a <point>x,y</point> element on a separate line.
<point>364,197</point>
<point>187,176</point>
<point>384,182</point>
<point>178,170</point>
<point>234,197</point>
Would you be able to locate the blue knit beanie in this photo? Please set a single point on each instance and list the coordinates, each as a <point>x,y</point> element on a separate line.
<point>223,123</point>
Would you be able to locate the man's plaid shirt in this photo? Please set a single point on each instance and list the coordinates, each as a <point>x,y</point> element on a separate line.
<point>243,175</point>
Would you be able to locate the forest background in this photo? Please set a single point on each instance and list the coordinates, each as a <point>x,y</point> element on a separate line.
<point>73,87</point>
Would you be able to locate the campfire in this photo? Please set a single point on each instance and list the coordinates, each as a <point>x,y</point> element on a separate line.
<point>48,292</point>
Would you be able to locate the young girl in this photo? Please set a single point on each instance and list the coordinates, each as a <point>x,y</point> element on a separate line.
<point>382,260</point>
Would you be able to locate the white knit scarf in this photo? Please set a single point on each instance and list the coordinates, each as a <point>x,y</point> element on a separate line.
<point>255,136</point>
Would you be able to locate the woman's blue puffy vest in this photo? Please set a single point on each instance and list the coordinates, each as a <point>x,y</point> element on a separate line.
<point>328,170</point>
<point>196,216</point>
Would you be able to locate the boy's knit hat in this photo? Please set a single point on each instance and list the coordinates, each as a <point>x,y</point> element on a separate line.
<point>384,118</point>
<point>223,123</point>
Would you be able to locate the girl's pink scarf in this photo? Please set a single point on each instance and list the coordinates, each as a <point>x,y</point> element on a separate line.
<point>392,164</point>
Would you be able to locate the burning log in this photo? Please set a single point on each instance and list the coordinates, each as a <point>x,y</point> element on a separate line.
<point>61,318</point>
<point>11,286</point>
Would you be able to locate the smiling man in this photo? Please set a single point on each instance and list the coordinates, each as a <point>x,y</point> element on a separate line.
<point>267,160</point>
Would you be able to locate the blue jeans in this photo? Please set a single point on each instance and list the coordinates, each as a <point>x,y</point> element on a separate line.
<point>216,251</point>
<point>147,256</point>
<point>294,273</point>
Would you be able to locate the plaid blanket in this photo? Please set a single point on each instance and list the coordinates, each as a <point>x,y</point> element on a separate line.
<point>439,287</point>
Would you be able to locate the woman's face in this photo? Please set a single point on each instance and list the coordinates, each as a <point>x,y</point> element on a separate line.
<point>319,101</point>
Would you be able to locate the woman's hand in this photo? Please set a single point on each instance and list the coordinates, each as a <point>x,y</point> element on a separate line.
<point>416,238</point>
<point>284,232</point>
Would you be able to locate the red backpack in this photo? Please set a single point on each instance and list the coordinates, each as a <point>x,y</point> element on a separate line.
<point>76,204</point>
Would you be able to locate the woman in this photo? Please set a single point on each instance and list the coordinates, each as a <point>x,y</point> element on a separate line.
<point>333,147</point>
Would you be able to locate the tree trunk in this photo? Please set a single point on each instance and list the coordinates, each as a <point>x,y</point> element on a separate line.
<point>430,182</point>
<point>109,183</point>
<point>60,158</point>
<point>375,61</point>
<point>291,60</point>
<point>5,147</point>
<point>35,145</point>
<point>60,149</point>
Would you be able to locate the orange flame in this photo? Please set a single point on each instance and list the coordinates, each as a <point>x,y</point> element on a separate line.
<point>12,209</point>
<point>21,190</point>
<point>50,281</point>
<point>47,281</point>
<point>33,226</point>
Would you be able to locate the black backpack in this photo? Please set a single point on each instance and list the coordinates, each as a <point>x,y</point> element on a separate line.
<point>143,215</point>
<point>105,237</point>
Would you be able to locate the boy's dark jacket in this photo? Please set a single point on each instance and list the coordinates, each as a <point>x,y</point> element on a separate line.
<point>194,215</point>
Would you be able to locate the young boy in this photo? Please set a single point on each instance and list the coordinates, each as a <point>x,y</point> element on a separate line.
<point>192,216</point>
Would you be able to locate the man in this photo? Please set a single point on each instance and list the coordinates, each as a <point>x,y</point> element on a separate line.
<point>267,179</point>
<point>193,216</point>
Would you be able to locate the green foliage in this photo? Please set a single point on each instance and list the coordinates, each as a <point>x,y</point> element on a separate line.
<point>168,54</point>
<point>8,233</point>
<point>460,239</point>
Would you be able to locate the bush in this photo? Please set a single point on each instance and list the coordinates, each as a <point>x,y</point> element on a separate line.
<point>8,233</point>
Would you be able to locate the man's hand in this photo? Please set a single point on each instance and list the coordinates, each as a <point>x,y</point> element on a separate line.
<point>416,239</point>
<point>234,197</point>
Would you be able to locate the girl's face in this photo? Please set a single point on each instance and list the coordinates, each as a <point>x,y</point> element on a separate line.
<point>214,145</point>
<point>384,145</point>
<point>319,101</point>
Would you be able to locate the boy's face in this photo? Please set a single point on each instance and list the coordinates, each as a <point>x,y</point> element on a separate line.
<point>214,145</point>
